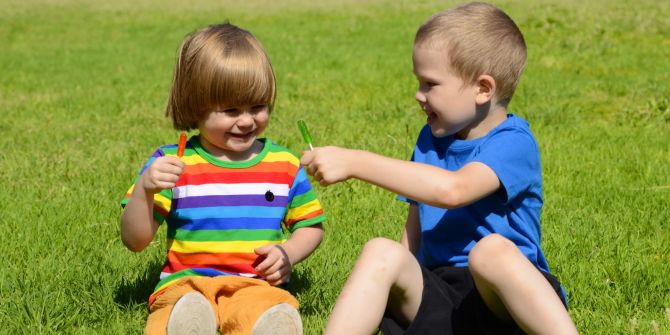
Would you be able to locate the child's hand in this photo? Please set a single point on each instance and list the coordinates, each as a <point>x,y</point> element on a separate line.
<point>162,174</point>
<point>328,165</point>
<point>275,265</point>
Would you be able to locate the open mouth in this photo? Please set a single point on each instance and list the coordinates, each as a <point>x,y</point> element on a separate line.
<point>243,136</point>
<point>431,117</point>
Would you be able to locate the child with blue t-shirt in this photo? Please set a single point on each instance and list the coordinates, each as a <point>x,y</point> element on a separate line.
<point>469,260</point>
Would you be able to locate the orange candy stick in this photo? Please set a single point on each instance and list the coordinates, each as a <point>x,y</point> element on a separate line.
<point>182,145</point>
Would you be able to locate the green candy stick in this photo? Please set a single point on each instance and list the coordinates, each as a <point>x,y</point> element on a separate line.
<point>305,133</point>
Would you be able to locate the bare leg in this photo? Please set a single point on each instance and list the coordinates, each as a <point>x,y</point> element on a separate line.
<point>384,267</point>
<point>513,288</point>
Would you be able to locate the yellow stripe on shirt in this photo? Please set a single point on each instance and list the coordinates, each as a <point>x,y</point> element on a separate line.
<point>192,159</point>
<point>281,157</point>
<point>217,247</point>
<point>303,210</point>
<point>162,202</point>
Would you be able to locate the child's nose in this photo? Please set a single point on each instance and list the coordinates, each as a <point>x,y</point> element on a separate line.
<point>420,97</point>
<point>245,120</point>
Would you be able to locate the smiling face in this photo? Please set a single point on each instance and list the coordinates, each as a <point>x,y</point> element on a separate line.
<point>230,133</point>
<point>449,103</point>
<point>219,65</point>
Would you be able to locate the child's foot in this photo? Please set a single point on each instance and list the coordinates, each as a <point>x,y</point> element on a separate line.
<point>282,319</point>
<point>192,314</point>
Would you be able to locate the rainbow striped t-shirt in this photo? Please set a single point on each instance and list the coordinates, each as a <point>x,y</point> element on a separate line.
<point>220,211</point>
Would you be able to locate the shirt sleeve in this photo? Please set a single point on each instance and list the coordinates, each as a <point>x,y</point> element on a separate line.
<point>514,157</point>
<point>304,208</point>
<point>162,200</point>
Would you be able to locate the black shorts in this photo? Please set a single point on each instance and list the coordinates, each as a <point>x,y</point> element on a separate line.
<point>450,304</point>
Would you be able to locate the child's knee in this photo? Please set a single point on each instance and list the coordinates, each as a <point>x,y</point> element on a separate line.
<point>381,248</point>
<point>376,245</point>
<point>492,250</point>
<point>380,254</point>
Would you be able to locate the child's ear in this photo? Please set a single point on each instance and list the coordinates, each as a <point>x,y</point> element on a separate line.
<point>486,88</point>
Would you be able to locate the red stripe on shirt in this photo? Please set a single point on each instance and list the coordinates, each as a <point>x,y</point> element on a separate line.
<point>203,258</point>
<point>236,178</point>
<point>305,217</point>
<point>260,167</point>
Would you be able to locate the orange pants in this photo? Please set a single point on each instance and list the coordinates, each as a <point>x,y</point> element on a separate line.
<point>237,302</point>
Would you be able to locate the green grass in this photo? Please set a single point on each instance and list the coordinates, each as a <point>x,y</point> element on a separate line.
<point>82,93</point>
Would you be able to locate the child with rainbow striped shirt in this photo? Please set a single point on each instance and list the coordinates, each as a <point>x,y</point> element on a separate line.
<point>227,201</point>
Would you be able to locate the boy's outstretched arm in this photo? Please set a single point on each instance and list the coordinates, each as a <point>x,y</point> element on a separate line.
<point>278,259</point>
<point>421,182</point>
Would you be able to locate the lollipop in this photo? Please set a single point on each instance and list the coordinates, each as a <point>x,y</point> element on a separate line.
<point>182,145</point>
<point>305,133</point>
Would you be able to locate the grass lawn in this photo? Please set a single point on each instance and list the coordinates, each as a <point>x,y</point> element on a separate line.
<point>82,93</point>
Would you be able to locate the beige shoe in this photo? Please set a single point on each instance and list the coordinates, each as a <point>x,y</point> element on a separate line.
<point>192,314</point>
<point>282,319</point>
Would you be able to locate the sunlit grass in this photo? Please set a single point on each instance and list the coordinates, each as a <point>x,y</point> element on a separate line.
<point>82,93</point>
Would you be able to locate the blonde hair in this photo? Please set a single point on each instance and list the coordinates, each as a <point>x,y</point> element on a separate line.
<point>218,66</point>
<point>478,38</point>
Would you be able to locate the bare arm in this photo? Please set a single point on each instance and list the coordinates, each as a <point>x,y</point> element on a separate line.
<point>411,235</point>
<point>278,260</point>
<point>138,226</point>
<point>303,242</point>
<point>421,182</point>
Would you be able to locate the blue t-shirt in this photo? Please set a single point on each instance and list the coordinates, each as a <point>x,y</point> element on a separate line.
<point>510,150</point>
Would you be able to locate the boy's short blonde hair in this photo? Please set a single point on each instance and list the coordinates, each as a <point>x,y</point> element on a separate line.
<point>478,39</point>
<point>218,66</point>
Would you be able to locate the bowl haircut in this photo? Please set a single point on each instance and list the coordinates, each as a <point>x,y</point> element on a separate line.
<point>217,67</point>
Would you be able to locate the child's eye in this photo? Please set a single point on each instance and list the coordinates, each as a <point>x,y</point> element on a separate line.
<point>231,110</point>
<point>258,108</point>
<point>426,85</point>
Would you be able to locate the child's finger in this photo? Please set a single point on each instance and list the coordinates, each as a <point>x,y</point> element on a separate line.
<point>160,185</point>
<point>166,185</point>
<point>276,266</point>
<point>175,161</point>
<point>262,267</point>
<point>307,157</point>
<point>264,250</point>
<point>168,177</point>
<point>171,169</point>
<point>273,277</point>
<point>278,277</point>
<point>309,169</point>
<point>318,176</point>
